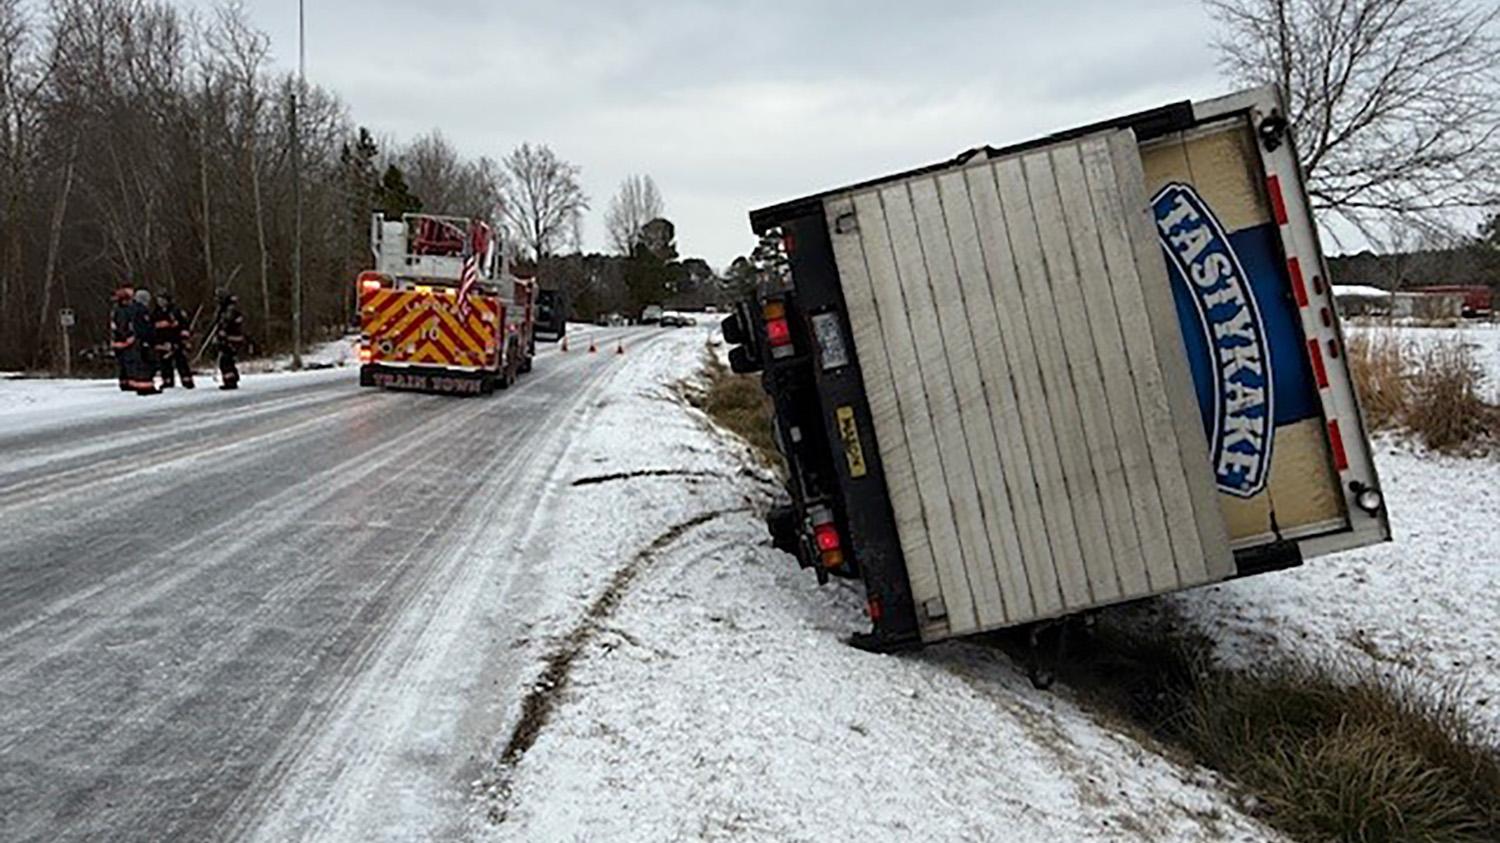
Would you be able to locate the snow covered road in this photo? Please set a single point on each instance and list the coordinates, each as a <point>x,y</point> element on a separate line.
<point>300,610</point>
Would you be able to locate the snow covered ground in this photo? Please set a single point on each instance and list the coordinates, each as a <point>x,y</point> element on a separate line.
<point>707,693</point>
<point>25,402</point>
<point>1425,606</point>
<point>717,700</point>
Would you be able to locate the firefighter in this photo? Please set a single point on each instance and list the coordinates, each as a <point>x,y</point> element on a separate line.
<point>231,339</point>
<point>145,333</point>
<point>173,335</point>
<point>126,322</point>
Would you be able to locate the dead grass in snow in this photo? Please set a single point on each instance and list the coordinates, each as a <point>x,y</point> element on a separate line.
<point>1321,752</point>
<point>1433,391</point>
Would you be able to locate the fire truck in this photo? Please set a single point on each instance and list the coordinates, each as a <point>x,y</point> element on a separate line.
<point>441,311</point>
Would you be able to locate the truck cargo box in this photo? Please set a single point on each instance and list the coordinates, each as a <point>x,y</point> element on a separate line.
<point>1036,380</point>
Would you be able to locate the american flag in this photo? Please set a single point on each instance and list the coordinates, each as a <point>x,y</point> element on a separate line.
<point>474,248</point>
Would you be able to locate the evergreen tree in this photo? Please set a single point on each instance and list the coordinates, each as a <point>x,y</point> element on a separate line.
<point>393,196</point>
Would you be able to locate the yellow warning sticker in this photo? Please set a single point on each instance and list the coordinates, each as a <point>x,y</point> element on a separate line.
<point>849,432</point>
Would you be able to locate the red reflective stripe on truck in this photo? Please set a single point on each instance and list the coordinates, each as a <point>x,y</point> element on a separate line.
<point>1315,353</point>
<point>1278,202</point>
<point>1294,268</point>
<point>1336,442</point>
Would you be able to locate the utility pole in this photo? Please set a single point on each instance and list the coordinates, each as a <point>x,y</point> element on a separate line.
<point>297,189</point>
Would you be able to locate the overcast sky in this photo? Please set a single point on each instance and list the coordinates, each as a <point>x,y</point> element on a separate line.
<point>735,105</point>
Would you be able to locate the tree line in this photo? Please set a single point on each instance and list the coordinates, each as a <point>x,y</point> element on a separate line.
<point>147,145</point>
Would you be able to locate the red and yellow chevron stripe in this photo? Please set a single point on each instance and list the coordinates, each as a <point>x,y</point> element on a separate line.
<point>424,327</point>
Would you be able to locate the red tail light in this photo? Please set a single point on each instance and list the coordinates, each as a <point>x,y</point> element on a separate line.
<point>827,537</point>
<point>778,332</point>
<point>365,354</point>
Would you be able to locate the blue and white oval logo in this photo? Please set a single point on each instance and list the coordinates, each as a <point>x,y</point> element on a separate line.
<point>1240,356</point>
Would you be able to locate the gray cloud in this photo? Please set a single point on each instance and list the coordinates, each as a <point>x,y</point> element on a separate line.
<point>733,105</point>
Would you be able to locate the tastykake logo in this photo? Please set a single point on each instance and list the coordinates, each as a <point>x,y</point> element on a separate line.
<point>1240,365</point>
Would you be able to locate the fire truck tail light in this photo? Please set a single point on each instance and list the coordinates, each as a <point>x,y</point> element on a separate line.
<point>370,284</point>
<point>366,354</point>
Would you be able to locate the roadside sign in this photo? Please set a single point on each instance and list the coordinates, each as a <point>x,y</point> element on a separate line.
<point>65,317</point>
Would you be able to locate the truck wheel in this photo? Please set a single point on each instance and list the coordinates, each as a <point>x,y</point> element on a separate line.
<point>503,380</point>
<point>525,366</point>
<point>487,385</point>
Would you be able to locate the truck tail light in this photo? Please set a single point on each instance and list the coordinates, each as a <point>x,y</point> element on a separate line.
<point>778,331</point>
<point>365,354</point>
<point>826,537</point>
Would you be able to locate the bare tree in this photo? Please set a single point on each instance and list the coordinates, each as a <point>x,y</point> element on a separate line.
<point>447,182</point>
<point>542,202</point>
<point>1395,104</point>
<point>637,203</point>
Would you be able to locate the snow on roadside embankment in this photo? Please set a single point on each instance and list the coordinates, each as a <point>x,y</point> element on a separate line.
<point>707,692</point>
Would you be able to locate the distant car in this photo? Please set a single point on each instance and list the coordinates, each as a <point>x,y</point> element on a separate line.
<point>651,314</point>
<point>677,320</point>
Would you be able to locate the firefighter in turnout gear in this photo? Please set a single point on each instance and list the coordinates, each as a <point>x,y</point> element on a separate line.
<point>145,333</point>
<point>231,328</point>
<point>127,322</point>
<point>173,335</point>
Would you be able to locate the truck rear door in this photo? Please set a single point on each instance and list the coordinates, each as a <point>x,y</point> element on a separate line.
<point>1259,330</point>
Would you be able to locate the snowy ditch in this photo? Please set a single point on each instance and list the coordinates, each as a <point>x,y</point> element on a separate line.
<point>706,691</point>
<point>703,689</point>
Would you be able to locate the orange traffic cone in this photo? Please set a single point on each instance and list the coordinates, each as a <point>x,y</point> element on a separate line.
<point>593,347</point>
<point>620,348</point>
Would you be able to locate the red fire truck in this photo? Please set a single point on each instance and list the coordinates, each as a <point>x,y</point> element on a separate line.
<point>441,312</point>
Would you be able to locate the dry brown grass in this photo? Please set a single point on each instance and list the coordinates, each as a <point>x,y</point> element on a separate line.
<point>738,404</point>
<point>1378,365</point>
<point>1434,392</point>
<point>1322,752</point>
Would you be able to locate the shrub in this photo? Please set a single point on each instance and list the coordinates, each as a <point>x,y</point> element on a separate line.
<point>1446,408</point>
<point>1378,365</point>
<point>1433,390</point>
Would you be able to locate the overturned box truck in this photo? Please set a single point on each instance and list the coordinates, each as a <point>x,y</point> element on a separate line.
<point>1032,381</point>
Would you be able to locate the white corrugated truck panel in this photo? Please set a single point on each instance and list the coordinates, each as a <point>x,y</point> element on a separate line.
<point>1041,442</point>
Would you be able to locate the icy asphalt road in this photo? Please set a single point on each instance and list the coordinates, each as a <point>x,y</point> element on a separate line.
<point>266,614</point>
